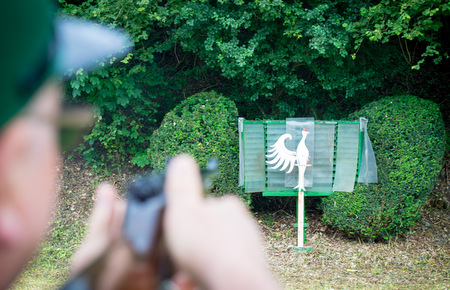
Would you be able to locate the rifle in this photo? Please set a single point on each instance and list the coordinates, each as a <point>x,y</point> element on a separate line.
<point>142,229</point>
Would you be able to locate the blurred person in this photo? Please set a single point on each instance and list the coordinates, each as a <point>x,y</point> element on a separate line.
<point>214,243</point>
<point>35,49</point>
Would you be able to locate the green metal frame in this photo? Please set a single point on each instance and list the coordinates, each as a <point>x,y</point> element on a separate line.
<point>289,192</point>
<point>292,192</point>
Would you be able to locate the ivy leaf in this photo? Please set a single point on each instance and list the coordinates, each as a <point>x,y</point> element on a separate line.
<point>76,84</point>
<point>123,101</point>
<point>140,160</point>
<point>95,80</point>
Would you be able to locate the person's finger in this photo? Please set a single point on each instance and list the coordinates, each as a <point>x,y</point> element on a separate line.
<point>183,183</point>
<point>103,210</point>
<point>183,281</point>
<point>98,233</point>
<point>118,218</point>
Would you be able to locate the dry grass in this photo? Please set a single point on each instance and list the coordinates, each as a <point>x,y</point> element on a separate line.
<point>418,261</point>
<point>41,279</point>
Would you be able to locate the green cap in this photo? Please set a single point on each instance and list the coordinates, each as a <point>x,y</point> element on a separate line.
<point>35,45</point>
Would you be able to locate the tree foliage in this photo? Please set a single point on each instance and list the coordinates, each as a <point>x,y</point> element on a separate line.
<point>132,95</point>
<point>274,58</point>
<point>408,23</point>
<point>285,58</point>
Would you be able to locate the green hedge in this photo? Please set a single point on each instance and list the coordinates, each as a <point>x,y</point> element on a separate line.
<point>407,134</point>
<point>204,126</point>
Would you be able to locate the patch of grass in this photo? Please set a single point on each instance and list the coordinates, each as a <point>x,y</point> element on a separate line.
<point>58,249</point>
<point>50,267</point>
<point>38,278</point>
<point>376,271</point>
<point>267,219</point>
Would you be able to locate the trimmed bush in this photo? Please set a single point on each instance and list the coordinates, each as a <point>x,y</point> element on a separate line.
<point>407,134</point>
<point>204,126</point>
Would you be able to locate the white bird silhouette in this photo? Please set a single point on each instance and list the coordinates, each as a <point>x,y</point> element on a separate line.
<point>283,156</point>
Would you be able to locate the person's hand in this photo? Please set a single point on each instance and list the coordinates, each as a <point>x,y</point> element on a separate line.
<point>104,240</point>
<point>214,241</point>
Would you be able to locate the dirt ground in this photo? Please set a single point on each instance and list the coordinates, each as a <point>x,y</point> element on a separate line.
<point>417,261</point>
